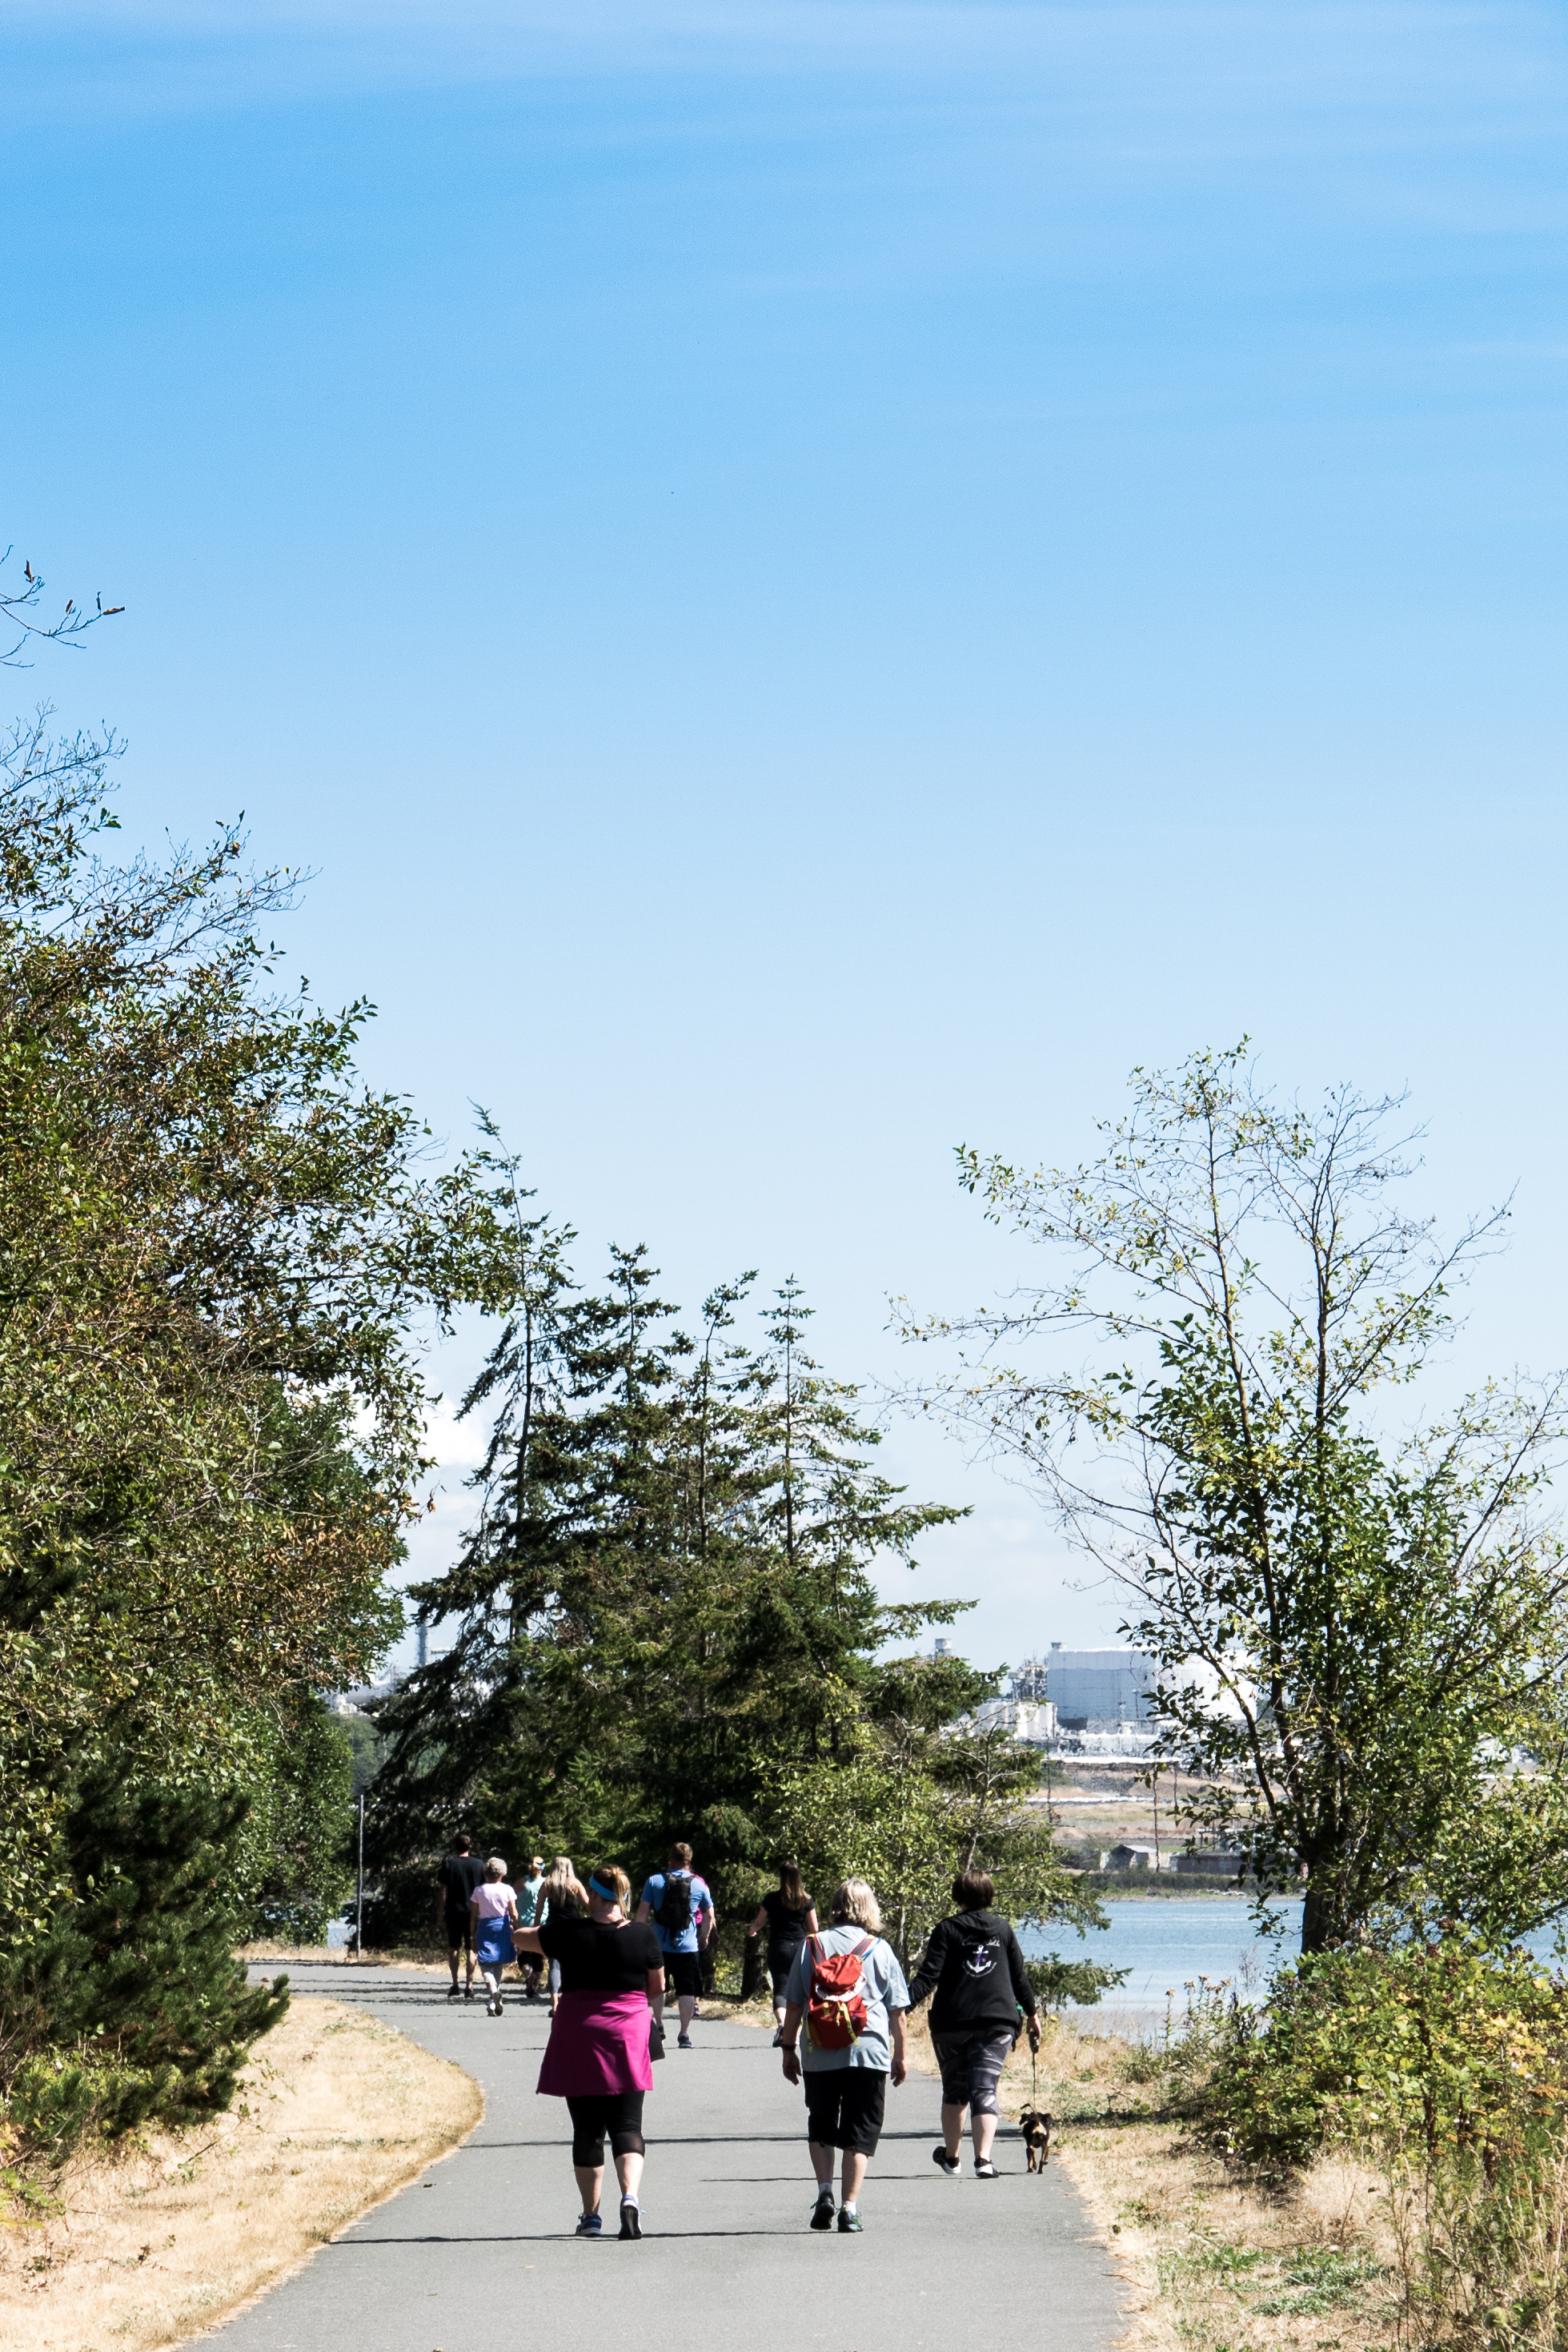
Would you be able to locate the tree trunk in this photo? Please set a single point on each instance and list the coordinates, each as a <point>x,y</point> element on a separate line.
<point>1317,1924</point>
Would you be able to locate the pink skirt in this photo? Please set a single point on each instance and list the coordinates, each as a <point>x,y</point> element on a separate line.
<point>599,2042</point>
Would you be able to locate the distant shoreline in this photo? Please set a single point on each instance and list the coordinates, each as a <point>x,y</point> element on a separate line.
<point>1151,1886</point>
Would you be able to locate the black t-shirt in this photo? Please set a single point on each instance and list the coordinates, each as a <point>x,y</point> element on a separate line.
<point>785,1928</point>
<point>460,1875</point>
<point>597,1958</point>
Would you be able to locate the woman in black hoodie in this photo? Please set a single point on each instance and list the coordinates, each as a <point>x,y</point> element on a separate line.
<point>975,1967</point>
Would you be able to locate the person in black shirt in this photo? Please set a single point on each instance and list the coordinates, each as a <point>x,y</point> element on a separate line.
<point>561,1895</point>
<point>975,1970</point>
<point>598,2056</point>
<point>459,1874</point>
<point>789,1917</point>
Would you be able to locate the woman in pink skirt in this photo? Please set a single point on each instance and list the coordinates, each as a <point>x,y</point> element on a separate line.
<point>597,2057</point>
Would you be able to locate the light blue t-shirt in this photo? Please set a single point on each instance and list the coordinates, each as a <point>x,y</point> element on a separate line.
<point>653,1894</point>
<point>527,1900</point>
<point>883,1987</point>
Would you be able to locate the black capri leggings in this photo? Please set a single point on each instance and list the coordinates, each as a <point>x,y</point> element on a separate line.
<point>619,2113</point>
<point>781,1958</point>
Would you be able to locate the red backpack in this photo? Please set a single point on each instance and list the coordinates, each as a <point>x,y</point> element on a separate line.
<point>835,2007</point>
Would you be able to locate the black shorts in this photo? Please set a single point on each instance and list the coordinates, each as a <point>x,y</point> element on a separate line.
<point>619,2113</point>
<point>844,2108</point>
<point>458,1931</point>
<point>684,1974</point>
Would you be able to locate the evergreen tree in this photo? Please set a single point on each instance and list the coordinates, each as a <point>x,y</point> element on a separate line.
<point>130,2008</point>
<point>668,1589</point>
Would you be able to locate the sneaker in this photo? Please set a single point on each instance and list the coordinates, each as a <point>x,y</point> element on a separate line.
<point>849,2221</point>
<point>950,2164</point>
<point>453,1994</point>
<point>984,2169</point>
<point>683,2041</point>
<point>631,2218</point>
<point>822,2213</point>
<point>467,1992</point>
<point>589,2225</point>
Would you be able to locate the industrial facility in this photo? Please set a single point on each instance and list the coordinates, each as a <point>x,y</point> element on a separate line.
<point>1079,1702</point>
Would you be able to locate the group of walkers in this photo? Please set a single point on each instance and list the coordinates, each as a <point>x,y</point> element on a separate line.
<point>840,1999</point>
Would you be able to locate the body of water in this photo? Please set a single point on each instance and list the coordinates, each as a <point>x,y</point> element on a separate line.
<point>1163,1941</point>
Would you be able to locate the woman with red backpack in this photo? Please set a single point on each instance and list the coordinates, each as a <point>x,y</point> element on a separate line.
<point>848,1988</point>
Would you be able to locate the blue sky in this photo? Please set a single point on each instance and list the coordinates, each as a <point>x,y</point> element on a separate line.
<point>817,582</point>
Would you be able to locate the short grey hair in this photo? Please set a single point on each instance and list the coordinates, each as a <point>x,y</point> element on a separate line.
<point>494,1867</point>
<point>855,1904</point>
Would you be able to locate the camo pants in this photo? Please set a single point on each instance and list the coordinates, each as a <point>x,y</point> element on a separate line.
<point>972,2066</point>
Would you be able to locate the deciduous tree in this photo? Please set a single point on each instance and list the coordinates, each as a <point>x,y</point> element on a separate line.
<point>1362,1634</point>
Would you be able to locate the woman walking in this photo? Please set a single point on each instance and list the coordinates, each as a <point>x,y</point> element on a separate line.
<point>850,1989</point>
<point>492,1915</point>
<point>975,1967</point>
<point>788,1916</point>
<point>561,1895</point>
<point>597,2058</point>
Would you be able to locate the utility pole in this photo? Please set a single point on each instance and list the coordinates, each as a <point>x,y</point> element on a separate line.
<point>360,1891</point>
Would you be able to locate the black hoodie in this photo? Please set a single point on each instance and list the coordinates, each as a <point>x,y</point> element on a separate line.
<point>974,1962</point>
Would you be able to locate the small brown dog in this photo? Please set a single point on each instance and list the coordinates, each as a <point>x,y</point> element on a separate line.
<point>1037,2128</point>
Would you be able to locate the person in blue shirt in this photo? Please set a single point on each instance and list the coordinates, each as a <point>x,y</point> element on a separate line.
<point>681,1907</point>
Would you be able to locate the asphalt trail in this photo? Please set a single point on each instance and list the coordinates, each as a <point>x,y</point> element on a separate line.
<point>457,2259</point>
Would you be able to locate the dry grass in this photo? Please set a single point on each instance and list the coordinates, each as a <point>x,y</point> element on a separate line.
<point>267,1952</point>
<point>164,2240</point>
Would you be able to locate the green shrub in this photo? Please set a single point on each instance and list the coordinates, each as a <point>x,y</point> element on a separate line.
<point>129,2008</point>
<point>1436,2046</point>
<point>1057,1982</point>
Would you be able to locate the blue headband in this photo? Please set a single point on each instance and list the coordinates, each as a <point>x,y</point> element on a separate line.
<point>606,1894</point>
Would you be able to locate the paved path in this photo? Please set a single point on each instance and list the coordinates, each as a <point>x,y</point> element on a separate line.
<point>481,2247</point>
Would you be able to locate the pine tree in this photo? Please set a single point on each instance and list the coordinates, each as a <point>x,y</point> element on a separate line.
<point>129,2007</point>
<point>668,1589</point>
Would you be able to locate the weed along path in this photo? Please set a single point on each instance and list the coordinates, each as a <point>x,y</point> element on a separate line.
<point>484,2240</point>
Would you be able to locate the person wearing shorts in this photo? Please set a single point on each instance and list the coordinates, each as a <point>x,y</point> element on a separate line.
<point>846,2088</point>
<point>459,1874</point>
<point>528,1894</point>
<point>975,1969</point>
<point>681,1941</point>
